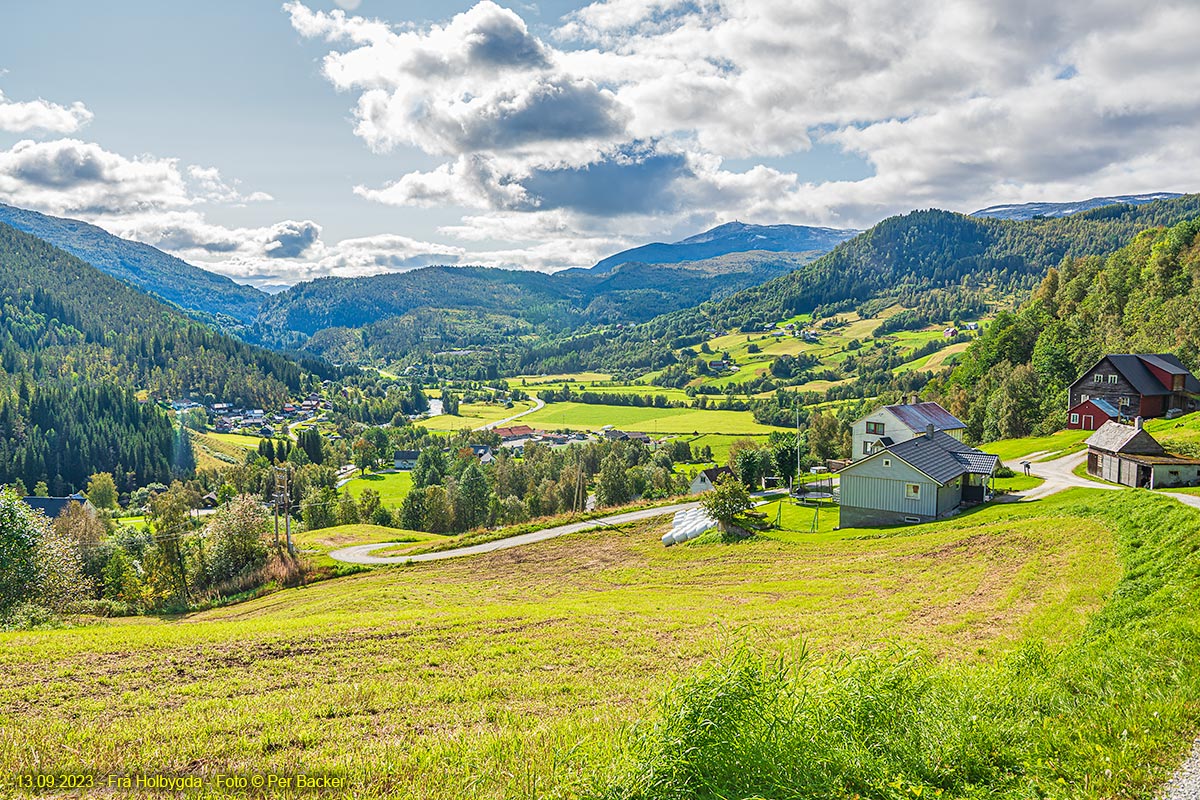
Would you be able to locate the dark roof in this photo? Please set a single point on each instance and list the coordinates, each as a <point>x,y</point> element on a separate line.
<point>918,416</point>
<point>406,455</point>
<point>942,457</point>
<point>52,507</point>
<point>712,473</point>
<point>1133,368</point>
<point>1117,438</point>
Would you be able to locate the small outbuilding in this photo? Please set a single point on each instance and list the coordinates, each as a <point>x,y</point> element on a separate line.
<point>1128,455</point>
<point>1091,414</point>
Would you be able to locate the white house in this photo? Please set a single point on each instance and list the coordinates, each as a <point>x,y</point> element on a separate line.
<point>706,479</point>
<point>889,425</point>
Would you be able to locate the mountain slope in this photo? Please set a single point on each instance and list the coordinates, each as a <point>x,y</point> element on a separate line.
<point>1023,211</point>
<point>552,303</point>
<point>141,265</point>
<point>732,237</point>
<point>1144,297</point>
<point>933,257</point>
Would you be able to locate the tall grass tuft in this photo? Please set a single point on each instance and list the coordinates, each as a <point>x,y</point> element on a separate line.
<point>1105,716</point>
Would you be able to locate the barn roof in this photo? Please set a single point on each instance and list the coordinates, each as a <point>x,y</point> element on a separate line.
<point>1116,438</point>
<point>918,417</point>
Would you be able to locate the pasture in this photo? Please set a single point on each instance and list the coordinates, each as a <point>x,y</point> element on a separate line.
<point>585,417</point>
<point>517,673</point>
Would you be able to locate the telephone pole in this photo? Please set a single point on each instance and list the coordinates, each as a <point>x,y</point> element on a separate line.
<point>287,511</point>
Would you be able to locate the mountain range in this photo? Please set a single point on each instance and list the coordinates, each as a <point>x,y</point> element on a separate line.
<point>142,266</point>
<point>1024,211</point>
<point>732,237</point>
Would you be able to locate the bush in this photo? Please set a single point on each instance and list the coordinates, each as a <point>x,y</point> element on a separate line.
<point>31,617</point>
<point>1003,472</point>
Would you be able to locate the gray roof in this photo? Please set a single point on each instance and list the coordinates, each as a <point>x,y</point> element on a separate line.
<point>941,457</point>
<point>1117,438</point>
<point>1105,406</point>
<point>918,416</point>
<point>1133,367</point>
<point>52,507</point>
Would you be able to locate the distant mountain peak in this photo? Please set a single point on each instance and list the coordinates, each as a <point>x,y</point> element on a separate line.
<point>732,237</point>
<point>1023,211</point>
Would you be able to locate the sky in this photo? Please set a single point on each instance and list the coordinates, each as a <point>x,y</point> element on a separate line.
<point>276,143</point>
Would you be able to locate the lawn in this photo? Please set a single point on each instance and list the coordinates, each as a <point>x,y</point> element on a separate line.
<point>516,674</point>
<point>583,416</point>
<point>1049,447</point>
<point>474,415</point>
<point>392,486</point>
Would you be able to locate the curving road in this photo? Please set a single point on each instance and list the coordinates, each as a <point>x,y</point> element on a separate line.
<point>361,553</point>
<point>538,405</point>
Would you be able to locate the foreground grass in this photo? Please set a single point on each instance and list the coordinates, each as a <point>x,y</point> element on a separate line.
<point>517,674</point>
<point>1105,716</point>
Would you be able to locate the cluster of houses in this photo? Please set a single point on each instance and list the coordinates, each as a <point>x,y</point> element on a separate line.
<point>1120,388</point>
<point>227,419</point>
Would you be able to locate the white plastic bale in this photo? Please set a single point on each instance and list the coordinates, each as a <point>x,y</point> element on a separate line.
<point>680,536</point>
<point>668,538</point>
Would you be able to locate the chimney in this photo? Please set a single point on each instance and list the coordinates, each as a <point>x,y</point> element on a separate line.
<point>1137,423</point>
<point>914,399</point>
<point>929,430</point>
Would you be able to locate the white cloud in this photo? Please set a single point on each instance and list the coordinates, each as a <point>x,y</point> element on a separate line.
<point>957,105</point>
<point>31,115</point>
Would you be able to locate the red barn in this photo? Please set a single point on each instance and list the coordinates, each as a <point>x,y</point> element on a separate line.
<point>1090,415</point>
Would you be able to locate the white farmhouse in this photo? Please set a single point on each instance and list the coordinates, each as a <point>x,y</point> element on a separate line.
<point>889,425</point>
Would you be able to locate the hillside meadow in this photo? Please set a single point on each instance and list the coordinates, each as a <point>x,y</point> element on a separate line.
<point>587,417</point>
<point>519,673</point>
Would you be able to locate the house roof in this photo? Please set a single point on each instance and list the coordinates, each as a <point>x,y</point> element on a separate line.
<point>1115,437</point>
<point>52,507</point>
<point>940,456</point>
<point>1134,368</point>
<point>712,473</point>
<point>407,455</point>
<point>1102,404</point>
<point>918,416</point>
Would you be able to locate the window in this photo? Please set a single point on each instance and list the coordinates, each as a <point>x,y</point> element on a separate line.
<point>912,491</point>
<point>867,448</point>
<point>887,462</point>
<point>875,428</point>
<point>1125,400</point>
<point>1074,419</point>
<point>1083,398</point>
<point>1098,378</point>
<point>1112,378</point>
<point>1177,383</point>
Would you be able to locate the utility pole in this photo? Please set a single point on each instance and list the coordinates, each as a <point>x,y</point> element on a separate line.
<point>287,512</point>
<point>797,478</point>
<point>276,504</point>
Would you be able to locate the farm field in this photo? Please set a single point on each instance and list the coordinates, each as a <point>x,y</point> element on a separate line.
<point>516,673</point>
<point>472,415</point>
<point>392,486</point>
<point>582,416</point>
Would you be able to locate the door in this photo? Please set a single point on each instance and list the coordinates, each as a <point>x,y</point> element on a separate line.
<point>1089,422</point>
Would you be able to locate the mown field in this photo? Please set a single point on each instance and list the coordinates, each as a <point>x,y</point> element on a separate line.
<point>582,416</point>
<point>392,486</point>
<point>517,674</point>
<point>473,415</point>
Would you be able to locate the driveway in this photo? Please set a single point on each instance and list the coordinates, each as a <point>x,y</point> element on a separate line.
<point>361,554</point>
<point>1059,475</point>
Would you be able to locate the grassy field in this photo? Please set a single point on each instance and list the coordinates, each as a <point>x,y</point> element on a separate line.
<point>582,416</point>
<point>473,415</point>
<point>1053,446</point>
<point>392,486</point>
<point>516,674</point>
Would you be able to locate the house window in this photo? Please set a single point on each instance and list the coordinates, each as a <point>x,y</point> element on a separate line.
<point>1112,378</point>
<point>875,428</point>
<point>1098,378</point>
<point>912,491</point>
<point>1083,398</point>
<point>887,462</point>
<point>1125,400</point>
<point>1074,419</point>
<point>867,448</point>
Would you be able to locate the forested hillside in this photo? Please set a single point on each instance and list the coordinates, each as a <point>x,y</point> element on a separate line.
<point>142,266</point>
<point>64,319</point>
<point>549,304</point>
<point>1144,297</point>
<point>933,258</point>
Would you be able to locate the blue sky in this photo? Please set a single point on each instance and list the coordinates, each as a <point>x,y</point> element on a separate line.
<point>276,143</point>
